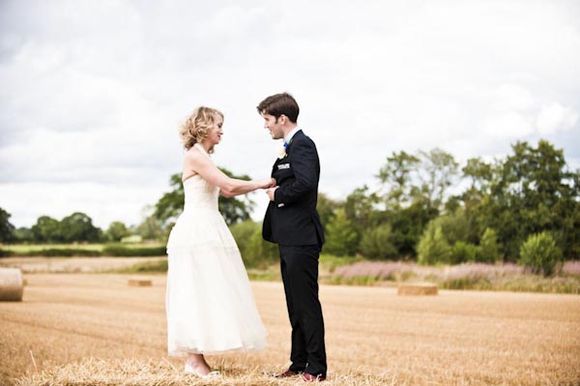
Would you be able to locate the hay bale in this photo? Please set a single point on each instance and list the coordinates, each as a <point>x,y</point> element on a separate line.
<point>11,286</point>
<point>417,289</point>
<point>140,282</point>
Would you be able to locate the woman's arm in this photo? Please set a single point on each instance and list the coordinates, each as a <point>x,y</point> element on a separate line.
<point>229,187</point>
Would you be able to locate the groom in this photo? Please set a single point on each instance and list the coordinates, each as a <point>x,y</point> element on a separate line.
<point>292,222</point>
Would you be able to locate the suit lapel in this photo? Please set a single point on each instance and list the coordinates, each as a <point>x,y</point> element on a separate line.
<point>296,135</point>
<point>275,165</point>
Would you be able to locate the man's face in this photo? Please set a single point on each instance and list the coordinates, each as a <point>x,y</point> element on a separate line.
<point>273,125</point>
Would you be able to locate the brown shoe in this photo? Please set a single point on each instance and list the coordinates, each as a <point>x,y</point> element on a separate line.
<point>287,374</point>
<point>307,377</point>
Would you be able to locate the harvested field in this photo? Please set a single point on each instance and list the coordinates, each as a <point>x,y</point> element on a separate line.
<point>95,329</point>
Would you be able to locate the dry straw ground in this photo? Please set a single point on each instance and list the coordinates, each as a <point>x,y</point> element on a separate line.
<point>77,329</point>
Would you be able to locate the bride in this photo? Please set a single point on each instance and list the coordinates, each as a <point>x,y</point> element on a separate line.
<point>209,303</point>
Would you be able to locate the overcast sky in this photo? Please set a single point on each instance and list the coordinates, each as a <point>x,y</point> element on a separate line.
<point>92,92</point>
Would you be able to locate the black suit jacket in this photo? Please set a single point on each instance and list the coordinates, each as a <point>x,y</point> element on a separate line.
<point>291,219</point>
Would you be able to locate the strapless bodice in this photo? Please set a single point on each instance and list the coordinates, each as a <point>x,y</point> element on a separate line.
<point>200,194</point>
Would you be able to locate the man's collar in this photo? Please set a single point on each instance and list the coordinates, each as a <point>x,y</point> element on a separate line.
<point>290,135</point>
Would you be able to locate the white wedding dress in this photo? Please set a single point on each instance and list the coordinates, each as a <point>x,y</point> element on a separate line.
<point>209,302</point>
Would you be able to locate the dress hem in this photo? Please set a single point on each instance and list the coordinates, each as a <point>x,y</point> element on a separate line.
<point>186,352</point>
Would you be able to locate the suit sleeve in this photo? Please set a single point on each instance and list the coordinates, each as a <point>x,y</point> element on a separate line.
<point>304,166</point>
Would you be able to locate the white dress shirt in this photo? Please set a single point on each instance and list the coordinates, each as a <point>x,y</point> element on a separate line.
<point>289,136</point>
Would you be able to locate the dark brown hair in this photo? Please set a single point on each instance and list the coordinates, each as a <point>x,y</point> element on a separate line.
<point>279,104</point>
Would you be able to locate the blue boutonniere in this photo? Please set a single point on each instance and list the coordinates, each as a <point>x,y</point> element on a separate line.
<point>283,153</point>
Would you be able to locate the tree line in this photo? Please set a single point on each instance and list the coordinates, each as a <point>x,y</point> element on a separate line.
<point>415,214</point>
<point>520,208</point>
<point>425,206</point>
<point>77,227</point>
<point>422,206</point>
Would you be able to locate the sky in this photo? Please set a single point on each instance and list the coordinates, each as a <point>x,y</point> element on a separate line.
<point>93,92</point>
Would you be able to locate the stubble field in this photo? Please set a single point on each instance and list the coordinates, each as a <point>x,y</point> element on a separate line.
<point>76,329</point>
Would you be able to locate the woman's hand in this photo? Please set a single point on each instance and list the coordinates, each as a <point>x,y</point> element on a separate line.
<point>268,183</point>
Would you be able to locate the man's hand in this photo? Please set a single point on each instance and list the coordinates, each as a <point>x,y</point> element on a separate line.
<point>270,192</point>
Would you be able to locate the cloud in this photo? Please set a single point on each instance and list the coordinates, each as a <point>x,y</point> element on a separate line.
<point>93,92</point>
<point>509,125</point>
<point>555,117</point>
<point>514,97</point>
<point>104,203</point>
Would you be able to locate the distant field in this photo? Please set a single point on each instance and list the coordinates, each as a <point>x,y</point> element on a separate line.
<point>94,329</point>
<point>75,264</point>
<point>37,247</point>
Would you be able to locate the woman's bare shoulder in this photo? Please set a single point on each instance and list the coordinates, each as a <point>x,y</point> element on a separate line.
<point>192,154</point>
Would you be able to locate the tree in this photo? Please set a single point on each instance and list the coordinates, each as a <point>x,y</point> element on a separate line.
<point>476,198</point>
<point>254,249</point>
<point>433,247</point>
<point>488,249</point>
<point>455,227</point>
<point>540,253</point>
<point>259,252</point>
<point>242,232</point>
<point>326,208</point>
<point>234,209</point>
<point>6,228</point>
<point>360,210</point>
<point>23,235</point>
<point>170,205</point>
<point>116,231</point>
<point>413,188</point>
<point>437,173</point>
<point>47,230</point>
<point>151,228</point>
<point>533,192</point>
<point>79,227</point>
<point>462,252</point>
<point>341,239</point>
<point>396,178</point>
<point>376,243</point>
<point>409,223</point>
<point>479,172</point>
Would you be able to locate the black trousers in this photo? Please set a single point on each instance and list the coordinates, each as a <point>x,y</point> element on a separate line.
<point>299,267</point>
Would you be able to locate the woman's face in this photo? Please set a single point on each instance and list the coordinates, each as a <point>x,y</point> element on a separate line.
<point>214,136</point>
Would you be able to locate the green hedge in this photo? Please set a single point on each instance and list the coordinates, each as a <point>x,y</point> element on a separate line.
<point>146,267</point>
<point>120,250</point>
<point>109,250</point>
<point>5,253</point>
<point>66,252</point>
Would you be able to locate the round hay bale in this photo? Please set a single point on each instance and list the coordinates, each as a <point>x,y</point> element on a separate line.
<point>417,289</point>
<point>140,282</point>
<point>11,286</point>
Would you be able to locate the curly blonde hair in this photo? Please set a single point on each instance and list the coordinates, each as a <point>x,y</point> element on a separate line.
<point>197,125</point>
